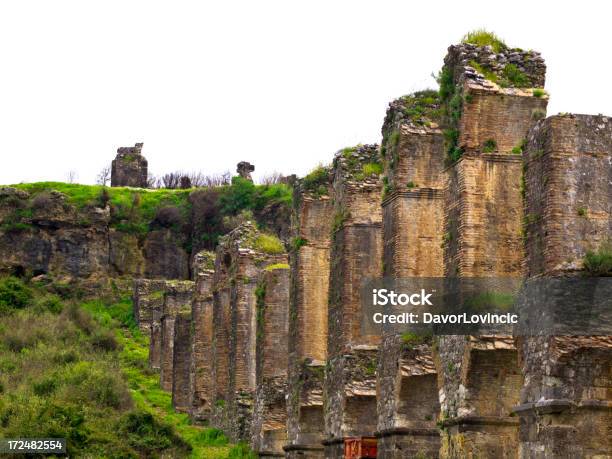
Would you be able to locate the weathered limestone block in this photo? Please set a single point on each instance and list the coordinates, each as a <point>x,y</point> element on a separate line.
<point>567,191</point>
<point>129,168</point>
<point>239,261</point>
<point>566,401</point>
<point>312,221</point>
<point>181,362</point>
<point>356,253</point>
<point>489,111</point>
<point>201,384</point>
<point>125,257</point>
<point>269,427</point>
<point>407,398</point>
<point>148,301</point>
<point>177,299</point>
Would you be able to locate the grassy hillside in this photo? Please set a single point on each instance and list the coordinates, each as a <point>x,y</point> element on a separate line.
<point>202,214</point>
<point>79,371</point>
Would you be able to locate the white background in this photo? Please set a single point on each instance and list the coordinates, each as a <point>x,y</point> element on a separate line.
<point>282,84</point>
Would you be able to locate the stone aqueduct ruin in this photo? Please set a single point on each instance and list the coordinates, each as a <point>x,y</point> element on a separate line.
<point>269,348</point>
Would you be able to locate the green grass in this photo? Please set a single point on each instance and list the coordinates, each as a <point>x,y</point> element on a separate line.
<point>539,92</point>
<point>489,146</point>
<point>316,181</point>
<point>269,243</point>
<point>482,37</point>
<point>598,263</point>
<point>80,371</point>
<point>276,266</point>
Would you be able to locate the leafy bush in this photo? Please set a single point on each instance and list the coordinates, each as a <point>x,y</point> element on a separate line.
<point>319,176</point>
<point>168,217</point>
<point>489,146</point>
<point>598,263</point>
<point>482,37</point>
<point>14,294</point>
<point>147,435</point>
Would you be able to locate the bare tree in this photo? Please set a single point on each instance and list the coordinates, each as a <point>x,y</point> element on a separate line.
<point>272,178</point>
<point>104,176</point>
<point>72,177</point>
<point>152,181</point>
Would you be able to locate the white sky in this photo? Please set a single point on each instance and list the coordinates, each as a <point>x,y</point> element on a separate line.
<point>282,84</point>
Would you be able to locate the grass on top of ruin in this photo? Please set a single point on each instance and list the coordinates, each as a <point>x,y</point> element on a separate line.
<point>482,37</point>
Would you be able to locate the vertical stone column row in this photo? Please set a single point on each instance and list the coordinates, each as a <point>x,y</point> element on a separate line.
<point>309,283</point>
<point>407,396</point>
<point>479,377</point>
<point>177,299</point>
<point>566,401</point>
<point>241,257</point>
<point>148,302</point>
<point>269,428</point>
<point>200,379</point>
<point>356,254</point>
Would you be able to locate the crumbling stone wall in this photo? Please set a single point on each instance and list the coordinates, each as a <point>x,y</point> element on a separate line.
<point>148,299</point>
<point>565,402</point>
<point>407,397</point>
<point>356,253</point>
<point>307,341</point>
<point>181,362</point>
<point>269,428</point>
<point>483,238</point>
<point>201,378</point>
<point>177,299</point>
<point>129,168</point>
<point>239,263</point>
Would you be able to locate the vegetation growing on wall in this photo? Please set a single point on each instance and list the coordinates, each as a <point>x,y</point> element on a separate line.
<point>598,263</point>
<point>482,37</point>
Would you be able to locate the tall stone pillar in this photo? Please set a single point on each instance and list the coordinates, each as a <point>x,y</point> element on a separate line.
<point>129,168</point>
<point>413,213</point>
<point>148,301</point>
<point>356,254</point>
<point>309,283</point>
<point>566,400</point>
<point>200,381</point>
<point>269,428</point>
<point>181,362</point>
<point>177,299</point>
<point>492,100</point>
<point>241,256</point>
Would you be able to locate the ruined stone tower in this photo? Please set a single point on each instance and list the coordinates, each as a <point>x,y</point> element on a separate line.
<point>566,396</point>
<point>489,113</point>
<point>309,258</point>
<point>129,168</point>
<point>413,221</point>
<point>356,252</point>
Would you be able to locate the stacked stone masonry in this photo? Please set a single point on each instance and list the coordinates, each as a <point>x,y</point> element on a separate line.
<point>566,402</point>
<point>269,428</point>
<point>307,341</point>
<point>356,252</point>
<point>407,397</point>
<point>130,168</point>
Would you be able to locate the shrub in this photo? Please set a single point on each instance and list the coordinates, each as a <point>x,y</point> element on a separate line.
<point>482,37</point>
<point>42,201</point>
<point>538,92</point>
<point>49,303</point>
<point>371,169</point>
<point>44,387</point>
<point>298,242</point>
<point>147,435</point>
<point>270,244</point>
<point>489,146</point>
<point>104,340</point>
<point>316,178</point>
<point>598,263</point>
<point>168,217</point>
<point>14,294</point>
